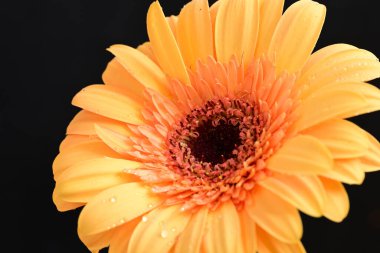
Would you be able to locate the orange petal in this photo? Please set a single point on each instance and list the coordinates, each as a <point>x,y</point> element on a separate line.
<point>84,123</point>
<point>335,64</point>
<point>304,192</point>
<point>222,226</point>
<point>146,48</point>
<point>63,205</point>
<point>299,155</point>
<point>116,75</point>
<point>72,140</point>
<point>82,181</point>
<point>348,171</point>
<point>158,230</point>
<point>121,237</point>
<point>337,203</point>
<point>343,138</point>
<point>371,161</point>
<point>141,67</point>
<point>331,103</point>
<point>194,33</point>
<point>248,233</point>
<point>115,140</point>
<point>96,242</point>
<point>370,93</point>
<point>111,102</point>
<point>302,21</point>
<point>269,244</point>
<point>115,206</point>
<point>275,216</point>
<point>270,14</point>
<point>164,45</point>
<point>79,153</point>
<point>193,233</point>
<point>236,30</point>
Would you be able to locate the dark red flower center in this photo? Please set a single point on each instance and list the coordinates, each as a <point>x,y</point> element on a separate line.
<point>214,144</point>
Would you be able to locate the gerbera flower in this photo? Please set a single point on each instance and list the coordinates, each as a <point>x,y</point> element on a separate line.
<point>212,136</point>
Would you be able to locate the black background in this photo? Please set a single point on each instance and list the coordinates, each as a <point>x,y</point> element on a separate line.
<point>57,47</point>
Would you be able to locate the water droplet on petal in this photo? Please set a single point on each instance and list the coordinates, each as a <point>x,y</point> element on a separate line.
<point>173,230</point>
<point>164,234</point>
<point>113,199</point>
<point>128,171</point>
<point>150,205</point>
<point>122,221</point>
<point>144,219</point>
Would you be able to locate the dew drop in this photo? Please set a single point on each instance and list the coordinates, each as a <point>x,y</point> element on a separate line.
<point>113,199</point>
<point>183,209</point>
<point>128,171</point>
<point>144,219</point>
<point>122,221</point>
<point>164,233</point>
<point>173,230</point>
<point>150,205</point>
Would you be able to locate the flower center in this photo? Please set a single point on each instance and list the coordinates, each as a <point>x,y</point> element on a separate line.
<point>214,144</point>
<point>213,141</point>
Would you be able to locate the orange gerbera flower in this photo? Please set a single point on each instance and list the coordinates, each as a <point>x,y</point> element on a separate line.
<point>211,136</point>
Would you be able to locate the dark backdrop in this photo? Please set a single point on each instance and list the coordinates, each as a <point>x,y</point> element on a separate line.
<point>69,38</point>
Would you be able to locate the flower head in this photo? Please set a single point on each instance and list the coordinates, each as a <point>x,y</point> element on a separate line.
<point>213,135</point>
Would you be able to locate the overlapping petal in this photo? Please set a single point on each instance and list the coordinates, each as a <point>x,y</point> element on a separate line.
<point>160,228</point>
<point>298,155</point>
<point>222,223</point>
<point>236,30</point>
<point>281,220</point>
<point>301,22</point>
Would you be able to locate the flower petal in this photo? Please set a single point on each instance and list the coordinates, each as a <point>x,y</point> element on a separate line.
<point>98,241</point>
<point>348,171</point>
<point>337,203</point>
<point>116,75</point>
<point>84,123</point>
<point>335,64</point>
<point>222,223</point>
<point>369,92</point>
<point>299,155</point>
<point>164,45</point>
<point>190,240</point>
<point>159,229</point>
<point>269,244</point>
<point>110,207</point>
<point>248,233</point>
<point>304,192</point>
<point>194,33</point>
<point>111,102</point>
<point>301,22</point>
<point>115,140</point>
<point>72,140</point>
<point>146,48</point>
<point>270,14</point>
<point>236,30</point>
<point>63,205</point>
<point>121,237</point>
<point>343,138</point>
<point>79,153</point>
<point>141,67</point>
<point>331,104</point>
<point>274,215</point>
<point>82,181</point>
<point>371,161</point>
